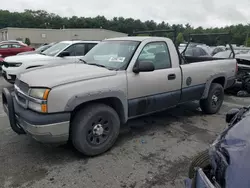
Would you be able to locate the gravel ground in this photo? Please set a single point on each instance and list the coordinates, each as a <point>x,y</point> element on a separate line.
<point>153,151</point>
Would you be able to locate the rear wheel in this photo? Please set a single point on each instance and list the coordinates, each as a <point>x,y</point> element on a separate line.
<point>213,102</point>
<point>95,129</point>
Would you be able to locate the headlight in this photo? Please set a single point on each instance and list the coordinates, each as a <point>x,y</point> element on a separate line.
<point>16,64</point>
<point>40,96</point>
<point>39,93</point>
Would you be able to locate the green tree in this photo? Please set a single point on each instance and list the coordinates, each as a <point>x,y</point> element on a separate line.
<point>180,38</point>
<point>44,19</point>
<point>27,41</point>
<point>248,42</point>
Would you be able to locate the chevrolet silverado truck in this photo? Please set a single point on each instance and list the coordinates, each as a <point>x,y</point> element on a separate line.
<point>118,80</point>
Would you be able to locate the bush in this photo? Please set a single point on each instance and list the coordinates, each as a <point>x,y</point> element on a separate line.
<point>27,41</point>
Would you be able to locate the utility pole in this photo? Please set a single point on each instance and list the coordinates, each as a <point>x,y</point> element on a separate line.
<point>248,28</point>
<point>247,37</point>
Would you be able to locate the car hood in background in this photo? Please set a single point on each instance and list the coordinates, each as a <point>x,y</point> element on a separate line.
<point>55,74</point>
<point>28,57</point>
<point>29,52</point>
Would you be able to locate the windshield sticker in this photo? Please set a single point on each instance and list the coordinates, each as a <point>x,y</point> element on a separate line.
<point>117,59</point>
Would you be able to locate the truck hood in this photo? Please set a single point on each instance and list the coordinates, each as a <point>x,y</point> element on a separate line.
<point>54,75</point>
<point>28,58</point>
<point>28,53</point>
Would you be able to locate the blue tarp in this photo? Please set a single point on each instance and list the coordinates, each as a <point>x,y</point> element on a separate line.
<point>237,143</point>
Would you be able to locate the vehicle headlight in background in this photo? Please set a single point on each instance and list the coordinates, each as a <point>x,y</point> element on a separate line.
<point>39,105</point>
<point>16,64</point>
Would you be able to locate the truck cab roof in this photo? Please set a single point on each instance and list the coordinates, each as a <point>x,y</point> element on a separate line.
<point>138,38</point>
<point>79,41</point>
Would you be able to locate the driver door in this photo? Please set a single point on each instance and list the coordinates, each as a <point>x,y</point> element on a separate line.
<point>76,51</point>
<point>157,90</point>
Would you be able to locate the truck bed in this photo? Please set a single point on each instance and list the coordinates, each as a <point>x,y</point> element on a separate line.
<point>191,59</point>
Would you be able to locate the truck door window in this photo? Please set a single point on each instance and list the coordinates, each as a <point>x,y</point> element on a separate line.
<point>76,49</point>
<point>89,47</point>
<point>158,53</point>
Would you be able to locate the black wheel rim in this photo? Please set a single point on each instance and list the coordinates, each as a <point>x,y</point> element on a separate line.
<point>216,99</point>
<point>99,129</point>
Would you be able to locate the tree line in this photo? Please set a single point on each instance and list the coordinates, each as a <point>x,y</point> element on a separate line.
<point>44,19</point>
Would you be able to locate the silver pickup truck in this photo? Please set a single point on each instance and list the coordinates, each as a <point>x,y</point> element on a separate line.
<point>119,79</point>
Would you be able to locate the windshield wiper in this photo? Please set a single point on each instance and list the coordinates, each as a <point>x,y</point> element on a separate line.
<point>96,64</point>
<point>82,60</point>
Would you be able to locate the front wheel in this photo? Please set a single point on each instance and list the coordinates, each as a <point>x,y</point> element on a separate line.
<point>213,102</point>
<point>202,160</point>
<point>95,129</point>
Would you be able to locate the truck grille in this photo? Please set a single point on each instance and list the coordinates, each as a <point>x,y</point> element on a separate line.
<point>21,98</point>
<point>22,86</point>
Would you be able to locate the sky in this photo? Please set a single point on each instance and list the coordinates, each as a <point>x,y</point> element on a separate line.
<point>205,13</point>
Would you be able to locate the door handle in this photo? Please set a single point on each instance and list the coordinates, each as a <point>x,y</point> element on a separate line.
<point>171,76</point>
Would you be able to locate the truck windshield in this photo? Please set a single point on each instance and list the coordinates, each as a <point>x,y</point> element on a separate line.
<point>112,54</point>
<point>53,50</point>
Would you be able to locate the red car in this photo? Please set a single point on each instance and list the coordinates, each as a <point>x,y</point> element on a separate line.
<point>11,48</point>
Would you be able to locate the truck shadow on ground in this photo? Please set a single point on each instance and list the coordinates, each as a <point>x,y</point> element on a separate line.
<point>38,158</point>
<point>148,125</point>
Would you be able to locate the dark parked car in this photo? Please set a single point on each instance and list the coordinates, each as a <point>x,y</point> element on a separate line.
<point>13,48</point>
<point>195,52</point>
<point>218,49</point>
<point>226,163</point>
<point>38,50</point>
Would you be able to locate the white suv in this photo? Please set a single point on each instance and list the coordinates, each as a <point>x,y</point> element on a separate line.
<point>62,52</point>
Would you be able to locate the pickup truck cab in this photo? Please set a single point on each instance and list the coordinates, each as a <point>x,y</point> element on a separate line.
<point>119,79</point>
<point>62,52</point>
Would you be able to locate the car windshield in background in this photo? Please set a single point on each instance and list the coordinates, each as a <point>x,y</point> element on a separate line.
<point>112,54</point>
<point>53,50</point>
<point>43,48</point>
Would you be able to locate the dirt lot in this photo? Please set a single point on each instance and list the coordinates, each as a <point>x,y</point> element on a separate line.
<point>152,151</point>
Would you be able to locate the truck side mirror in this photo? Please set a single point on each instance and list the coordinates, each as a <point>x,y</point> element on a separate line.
<point>230,114</point>
<point>64,54</point>
<point>143,66</point>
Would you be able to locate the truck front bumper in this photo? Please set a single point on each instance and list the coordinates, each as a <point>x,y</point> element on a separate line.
<point>45,128</point>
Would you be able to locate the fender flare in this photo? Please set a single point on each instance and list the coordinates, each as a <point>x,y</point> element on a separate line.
<point>209,82</point>
<point>79,99</point>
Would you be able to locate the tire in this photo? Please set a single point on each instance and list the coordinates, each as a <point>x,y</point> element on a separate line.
<point>246,84</point>
<point>208,105</point>
<point>202,160</point>
<point>9,106</point>
<point>95,129</point>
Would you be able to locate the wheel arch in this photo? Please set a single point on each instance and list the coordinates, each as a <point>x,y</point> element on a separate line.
<point>116,100</point>
<point>219,79</point>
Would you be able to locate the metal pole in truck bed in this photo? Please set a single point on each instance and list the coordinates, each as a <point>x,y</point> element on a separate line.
<point>210,34</point>
<point>155,32</point>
